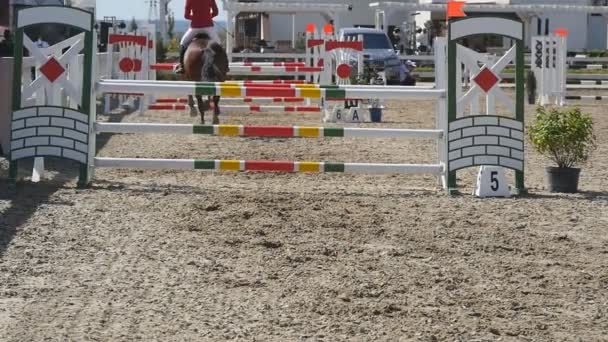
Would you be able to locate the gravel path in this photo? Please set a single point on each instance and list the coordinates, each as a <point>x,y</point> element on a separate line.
<point>189,255</point>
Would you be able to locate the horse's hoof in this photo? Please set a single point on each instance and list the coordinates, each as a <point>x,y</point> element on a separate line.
<point>193,112</point>
<point>216,120</point>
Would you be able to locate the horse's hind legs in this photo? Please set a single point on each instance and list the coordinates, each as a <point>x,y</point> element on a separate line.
<point>216,110</point>
<point>191,105</point>
<point>202,107</point>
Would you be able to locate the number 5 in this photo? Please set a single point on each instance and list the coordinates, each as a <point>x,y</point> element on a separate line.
<point>494,186</point>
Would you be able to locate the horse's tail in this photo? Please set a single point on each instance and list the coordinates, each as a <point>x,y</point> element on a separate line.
<point>215,63</point>
<point>209,72</point>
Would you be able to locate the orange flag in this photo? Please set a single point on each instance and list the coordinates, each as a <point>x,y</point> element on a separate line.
<point>310,28</point>
<point>455,9</point>
<point>561,32</point>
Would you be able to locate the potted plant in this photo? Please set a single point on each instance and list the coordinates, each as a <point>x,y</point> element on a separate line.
<point>566,137</point>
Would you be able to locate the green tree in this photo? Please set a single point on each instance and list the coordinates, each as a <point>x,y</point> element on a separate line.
<point>171,25</point>
<point>161,50</point>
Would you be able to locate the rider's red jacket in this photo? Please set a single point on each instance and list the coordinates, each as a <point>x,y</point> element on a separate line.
<point>201,12</point>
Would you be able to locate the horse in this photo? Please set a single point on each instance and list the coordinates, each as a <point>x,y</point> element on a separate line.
<point>205,61</point>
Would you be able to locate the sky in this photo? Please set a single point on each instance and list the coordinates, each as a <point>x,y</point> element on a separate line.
<point>127,9</point>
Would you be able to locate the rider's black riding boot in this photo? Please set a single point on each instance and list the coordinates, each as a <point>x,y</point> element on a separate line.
<point>182,53</point>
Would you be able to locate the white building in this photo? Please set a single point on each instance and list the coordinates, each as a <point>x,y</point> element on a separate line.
<point>585,19</point>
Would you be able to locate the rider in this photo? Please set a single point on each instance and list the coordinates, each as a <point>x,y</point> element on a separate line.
<point>201,13</point>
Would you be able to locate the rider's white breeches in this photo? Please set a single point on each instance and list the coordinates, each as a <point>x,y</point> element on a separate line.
<point>192,32</point>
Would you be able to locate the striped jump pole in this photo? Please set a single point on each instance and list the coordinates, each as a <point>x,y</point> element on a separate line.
<point>589,82</point>
<point>269,84</point>
<point>237,99</point>
<point>268,166</point>
<point>276,64</point>
<point>242,108</point>
<point>267,131</point>
<point>170,66</point>
<point>248,84</point>
<point>586,98</point>
<point>273,82</point>
<point>260,70</point>
<point>207,89</point>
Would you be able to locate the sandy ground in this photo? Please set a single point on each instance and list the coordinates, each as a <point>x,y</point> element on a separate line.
<point>195,256</point>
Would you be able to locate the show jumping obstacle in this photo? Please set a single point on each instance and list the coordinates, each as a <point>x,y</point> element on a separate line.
<point>550,69</point>
<point>325,54</point>
<point>326,50</point>
<point>135,58</point>
<point>136,52</point>
<point>462,142</point>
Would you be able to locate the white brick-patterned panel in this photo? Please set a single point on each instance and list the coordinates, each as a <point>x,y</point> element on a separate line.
<point>51,111</point>
<point>81,147</point>
<point>472,131</point>
<point>75,135</point>
<point>461,163</point>
<point>82,128</point>
<point>67,123</point>
<point>486,120</point>
<point>517,154</point>
<point>462,123</point>
<point>72,114</point>
<point>472,151</point>
<point>454,135</point>
<point>23,153</point>
<point>517,135</point>
<point>499,151</point>
<point>455,155</point>
<point>512,163</point>
<point>511,124</point>
<point>34,122</point>
<point>456,144</point>
<point>23,133</point>
<point>512,143</point>
<point>485,140</point>
<point>505,132</point>
<point>19,124</point>
<point>77,156</point>
<point>24,113</point>
<point>17,144</point>
<point>50,151</point>
<point>486,160</point>
<point>37,141</point>
<point>67,143</point>
<point>50,131</point>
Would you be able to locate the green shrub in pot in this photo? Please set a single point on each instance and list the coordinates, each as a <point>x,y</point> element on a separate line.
<point>564,135</point>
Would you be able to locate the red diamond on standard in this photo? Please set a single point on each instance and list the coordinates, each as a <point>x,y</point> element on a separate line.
<point>52,69</point>
<point>486,79</point>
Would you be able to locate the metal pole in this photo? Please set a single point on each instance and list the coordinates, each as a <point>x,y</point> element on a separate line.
<point>293,31</point>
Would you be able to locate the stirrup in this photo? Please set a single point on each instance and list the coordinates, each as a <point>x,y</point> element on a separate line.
<point>179,69</point>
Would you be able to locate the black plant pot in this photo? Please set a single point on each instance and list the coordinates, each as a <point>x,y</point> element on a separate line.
<point>562,179</point>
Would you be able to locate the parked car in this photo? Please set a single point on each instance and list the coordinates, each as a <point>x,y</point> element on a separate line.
<point>377,51</point>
